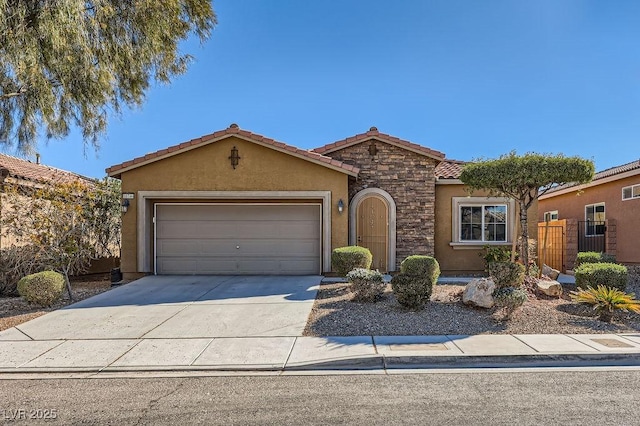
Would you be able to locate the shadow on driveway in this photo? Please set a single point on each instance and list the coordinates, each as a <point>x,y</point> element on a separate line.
<point>171,290</point>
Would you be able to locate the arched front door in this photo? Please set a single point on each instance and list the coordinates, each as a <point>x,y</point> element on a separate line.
<point>372,224</point>
<point>372,230</point>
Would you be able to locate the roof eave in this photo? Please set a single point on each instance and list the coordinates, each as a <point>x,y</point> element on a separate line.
<point>117,173</point>
<point>591,184</point>
<point>439,156</point>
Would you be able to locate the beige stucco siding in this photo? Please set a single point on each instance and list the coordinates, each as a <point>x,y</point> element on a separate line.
<point>462,260</point>
<point>208,168</point>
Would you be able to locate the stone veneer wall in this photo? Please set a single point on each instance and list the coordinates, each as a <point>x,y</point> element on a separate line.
<point>410,180</point>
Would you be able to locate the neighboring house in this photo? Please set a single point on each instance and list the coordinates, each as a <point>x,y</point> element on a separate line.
<point>29,174</point>
<point>602,215</point>
<point>234,202</point>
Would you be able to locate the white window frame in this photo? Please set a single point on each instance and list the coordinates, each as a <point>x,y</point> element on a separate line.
<point>635,192</point>
<point>550,215</point>
<point>586,221</point>
<point>458,202</point>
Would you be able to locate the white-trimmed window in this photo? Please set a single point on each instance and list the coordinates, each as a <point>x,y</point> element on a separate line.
<point>481,220</point>
<point>594,215</point>
<point>629,192</point>
<point>552,215</point>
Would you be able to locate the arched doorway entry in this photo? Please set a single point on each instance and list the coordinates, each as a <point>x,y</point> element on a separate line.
<point>373,225</point>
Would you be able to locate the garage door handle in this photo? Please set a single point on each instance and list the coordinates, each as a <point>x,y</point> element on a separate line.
<point>238,247</point>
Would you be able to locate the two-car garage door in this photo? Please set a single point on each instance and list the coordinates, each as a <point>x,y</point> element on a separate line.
<point>237,239</point>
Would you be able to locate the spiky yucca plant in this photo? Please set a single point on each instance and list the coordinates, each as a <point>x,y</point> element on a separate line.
<point>606,301</point>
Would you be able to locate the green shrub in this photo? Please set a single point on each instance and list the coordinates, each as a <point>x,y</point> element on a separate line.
<point>593,257</point>
<point>413,285</point>
<point>507,274</point>
<point>509,298</point>
<point>345,259</point>
<point>411,292</point>
<point>492,254</point>
<point>421,266</point>
<point>606,301</point>
<point>42,288</point>
<point>605,274</point>
<point>366,285</point>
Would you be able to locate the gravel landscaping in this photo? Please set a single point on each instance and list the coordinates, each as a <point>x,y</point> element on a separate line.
<point>15,311</point>
<point>334,314</point>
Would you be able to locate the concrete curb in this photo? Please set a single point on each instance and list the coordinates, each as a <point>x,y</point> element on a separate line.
<point>373,363</point>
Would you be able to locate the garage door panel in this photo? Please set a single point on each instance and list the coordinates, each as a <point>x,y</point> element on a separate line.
<point>229,248</point>
<point>259,266</point>
<point>276,248</point>
<point>179,265</point>
<point>184,247</point>
<point>195,229</point>
<point>197,248</point>
<point>305,246</point>
<point>232,212</point>
<point>298,230</point>
<point>216,266</point>
<point>182,266</point>
<point>238,239</point>
<point>297,267</point>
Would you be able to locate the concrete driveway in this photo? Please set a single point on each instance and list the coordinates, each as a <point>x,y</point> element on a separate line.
<point>169,307</point>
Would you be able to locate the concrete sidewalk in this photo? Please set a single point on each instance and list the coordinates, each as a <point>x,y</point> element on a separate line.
<point>131,340</point>
<point>19,354</point>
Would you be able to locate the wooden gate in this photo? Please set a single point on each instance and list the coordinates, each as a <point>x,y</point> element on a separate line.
<point>551,247</point>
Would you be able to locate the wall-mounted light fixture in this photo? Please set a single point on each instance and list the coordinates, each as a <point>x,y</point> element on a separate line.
<point>125,205</point>
<point>373,149</point>
<point>234,157</point>
<point>340,205</point>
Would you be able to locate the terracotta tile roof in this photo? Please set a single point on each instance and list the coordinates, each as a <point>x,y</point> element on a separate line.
<point>607,173</point>
<point>449,169</point>
<point>373,133</point>
<point>27,170</point>
<point>233,130</point>
<point>617,170</point>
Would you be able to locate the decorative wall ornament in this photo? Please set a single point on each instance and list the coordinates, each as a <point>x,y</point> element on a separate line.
<point>234,157</point>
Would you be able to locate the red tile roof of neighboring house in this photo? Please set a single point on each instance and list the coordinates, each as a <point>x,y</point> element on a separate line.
<point>449,169</point>
<point>373,133</point>
<point>617,170</point>
<point>35,172</point>
<point>607,173</point>
<point>233,130</point>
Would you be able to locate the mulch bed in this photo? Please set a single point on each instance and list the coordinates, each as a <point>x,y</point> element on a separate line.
<point>334,314</point>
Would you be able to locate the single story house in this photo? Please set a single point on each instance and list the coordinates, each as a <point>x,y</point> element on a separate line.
<point>602,214</point>
<point>28,174</point>
<point>235,202</point>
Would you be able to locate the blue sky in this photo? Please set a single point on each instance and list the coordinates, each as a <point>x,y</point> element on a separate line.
<point>468,78</point>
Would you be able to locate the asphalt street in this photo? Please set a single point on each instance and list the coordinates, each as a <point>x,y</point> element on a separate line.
<point>545,397</point>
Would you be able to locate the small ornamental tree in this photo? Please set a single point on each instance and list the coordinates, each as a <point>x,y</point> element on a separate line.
<point>525,178</point>
<point>67,224</point>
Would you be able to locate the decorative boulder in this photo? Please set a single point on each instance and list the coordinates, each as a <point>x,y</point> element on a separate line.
<point>550,288</point>
<point>550,272</point>
<point>479,292</point>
